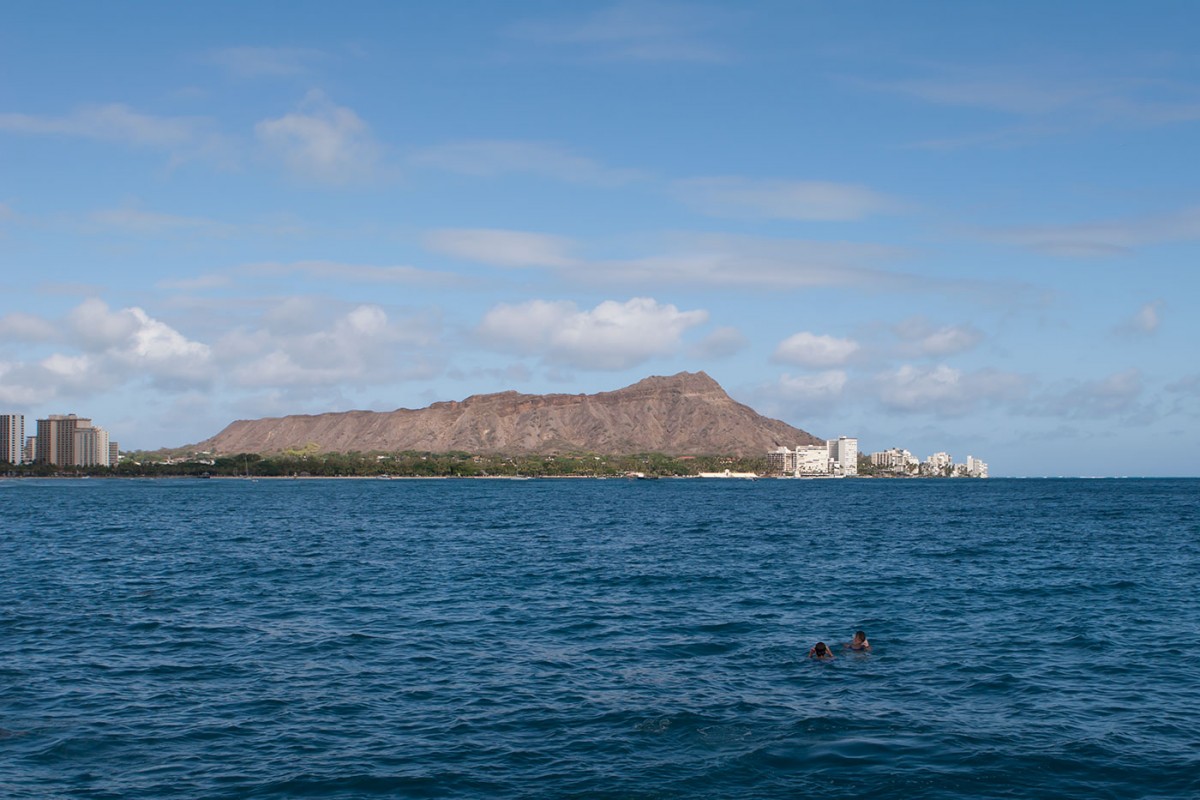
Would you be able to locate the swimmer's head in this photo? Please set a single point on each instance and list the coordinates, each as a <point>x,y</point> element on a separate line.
<point>821,649</point>
<point>860,636</point>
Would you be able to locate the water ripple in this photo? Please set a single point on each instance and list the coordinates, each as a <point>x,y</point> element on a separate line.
<point>347,639</point>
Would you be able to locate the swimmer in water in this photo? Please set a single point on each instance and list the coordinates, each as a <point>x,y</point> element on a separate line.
<point>820,651</point>
<point>859,642</point>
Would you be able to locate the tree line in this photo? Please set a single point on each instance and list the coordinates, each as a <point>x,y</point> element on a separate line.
<point>408,464</point>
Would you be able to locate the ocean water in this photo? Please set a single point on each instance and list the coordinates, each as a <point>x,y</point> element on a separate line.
<point>592,638</point>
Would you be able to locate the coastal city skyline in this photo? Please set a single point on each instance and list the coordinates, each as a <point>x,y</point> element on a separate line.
<point>968,228</point>
<point>69,440</point>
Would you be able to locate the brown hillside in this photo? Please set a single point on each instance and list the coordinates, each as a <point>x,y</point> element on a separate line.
<point>688,413</point>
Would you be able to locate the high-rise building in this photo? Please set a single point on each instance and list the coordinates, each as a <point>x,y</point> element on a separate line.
<point>66,440</point>
<point>12,438</point>
<point>91,447</point>
<point>938,464</point>
<point>56,439</point>
<point>812,459</point>
<point>843,455</point>
<point>895,460</point>
<point>976,468</point>
<point>834,457</point>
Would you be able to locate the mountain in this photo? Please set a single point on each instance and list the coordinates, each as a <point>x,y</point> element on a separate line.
<point>683,414</point>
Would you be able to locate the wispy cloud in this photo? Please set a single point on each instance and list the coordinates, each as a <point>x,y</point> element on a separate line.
<point>494,158</point>
<point>688,259</point>
<point>806,397</point>
<point>629,31</point>
<point>505,248</point>
<point>271,62</point>
<point>1145,321</point>
<point>748,262</point>
<point>182,137</point>
<point>149,222</point>
<point>315,270</point>
<point>1103,238</point>
<point>1118,394</point>
<point>812,393</point>
<point>322,141</point>
<point>1047,101</point>
<point>357,273</point>
<point>922,338</point>
<point>716,260</point>
<point>777,199</point>
<point>945,391</point>
<point>200,283</point>
<point>1184,394</point>
<point>721,343</point>
<point>19,326</point>
<point>1009,92</point>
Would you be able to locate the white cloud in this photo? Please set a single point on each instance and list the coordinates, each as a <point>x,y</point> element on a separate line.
<point>943,390</point>
<point>925,340</point>
<point>493,158</point>
<point>101,349</point>
<point>322,141</point>
<point>611,336</point>
<point>776,199</point>
<point>303,347</point>
<point>503,247</point>
<point>131,343</point>
<point>158,346</point>
<point>297,348</point>
<point>97,328</point>
<point>811,350</point>
<point>71,368</point>
<point>17,390</point>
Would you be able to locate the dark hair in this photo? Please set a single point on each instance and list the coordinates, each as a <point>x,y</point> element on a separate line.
<point>821,648</point>
<point>860,634</point>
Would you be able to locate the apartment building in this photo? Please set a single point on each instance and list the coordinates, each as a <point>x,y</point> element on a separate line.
<point>67,440</point>
<point>12,438</point>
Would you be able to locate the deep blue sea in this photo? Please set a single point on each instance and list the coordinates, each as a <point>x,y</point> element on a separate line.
<point>598,638</point>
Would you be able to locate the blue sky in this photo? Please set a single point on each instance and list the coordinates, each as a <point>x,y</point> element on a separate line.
<point>942,226</point>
